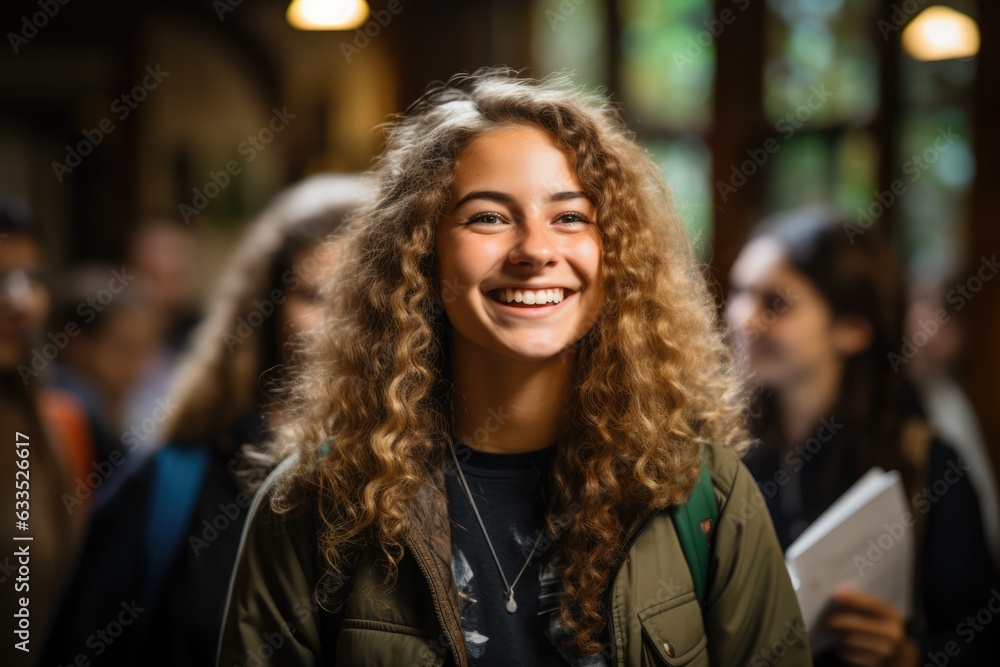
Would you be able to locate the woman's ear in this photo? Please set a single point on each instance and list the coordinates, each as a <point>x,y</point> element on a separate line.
<point>852,334</point>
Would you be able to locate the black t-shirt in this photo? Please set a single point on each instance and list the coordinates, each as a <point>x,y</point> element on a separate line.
<point>511,492</point>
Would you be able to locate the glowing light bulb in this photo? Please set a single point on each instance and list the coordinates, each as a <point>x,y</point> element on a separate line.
<point>327,14</point>
<point>941,33</point>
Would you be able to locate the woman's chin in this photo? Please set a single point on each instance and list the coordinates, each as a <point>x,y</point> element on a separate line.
<point>530,350</point>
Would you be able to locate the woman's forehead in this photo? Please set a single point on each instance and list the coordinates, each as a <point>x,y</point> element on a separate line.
<point>511,156</point>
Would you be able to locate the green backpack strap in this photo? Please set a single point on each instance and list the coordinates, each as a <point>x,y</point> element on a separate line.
<point>690,523</point>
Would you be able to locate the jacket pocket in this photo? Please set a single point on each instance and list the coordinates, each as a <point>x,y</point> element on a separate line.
<point>673,633</point>
<point>369,643</point>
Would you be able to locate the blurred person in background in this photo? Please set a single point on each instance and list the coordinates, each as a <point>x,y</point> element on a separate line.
<point>817,316</point>
<point>934,328</point>
<point>163,546</point>
<point>53,428</point>
<point>162,255</point>
<point>119,331</point>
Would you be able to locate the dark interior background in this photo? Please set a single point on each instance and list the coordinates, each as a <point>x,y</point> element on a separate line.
<point>706,85</point>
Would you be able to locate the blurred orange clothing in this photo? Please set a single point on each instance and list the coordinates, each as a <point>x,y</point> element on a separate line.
<point>64,416</point>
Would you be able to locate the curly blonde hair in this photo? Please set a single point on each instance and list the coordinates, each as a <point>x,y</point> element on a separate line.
<point>653,375</point>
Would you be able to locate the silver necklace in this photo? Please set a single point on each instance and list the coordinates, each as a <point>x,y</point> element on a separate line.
<point>511,605</point>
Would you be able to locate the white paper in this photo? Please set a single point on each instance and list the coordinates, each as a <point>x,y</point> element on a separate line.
<point>864,540</point>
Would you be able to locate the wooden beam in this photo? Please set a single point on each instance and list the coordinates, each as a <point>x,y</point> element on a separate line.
<point>981,363</point>
<point>738,126</point>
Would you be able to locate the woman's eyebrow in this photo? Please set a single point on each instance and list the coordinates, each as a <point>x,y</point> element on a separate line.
<point>565,196</point>
<point>504,198</point>
<point>493,195</point>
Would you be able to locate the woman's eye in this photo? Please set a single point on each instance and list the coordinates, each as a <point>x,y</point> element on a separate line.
<point>489,219</point>
<point>573,217</point>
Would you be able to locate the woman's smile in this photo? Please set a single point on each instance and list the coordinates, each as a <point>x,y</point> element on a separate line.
<point>531,303</point>
<point>520,227</point>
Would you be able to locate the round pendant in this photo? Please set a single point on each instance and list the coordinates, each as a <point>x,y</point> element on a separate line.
<point>511,605</point>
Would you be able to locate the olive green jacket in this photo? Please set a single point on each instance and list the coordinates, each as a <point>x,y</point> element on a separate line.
<point>278,595</point>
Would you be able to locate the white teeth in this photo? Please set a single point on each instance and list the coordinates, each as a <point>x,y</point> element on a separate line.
<point>529,297</point>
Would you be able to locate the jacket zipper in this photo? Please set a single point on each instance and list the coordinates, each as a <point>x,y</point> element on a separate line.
<point>434,589</point>
<point>609,596</point>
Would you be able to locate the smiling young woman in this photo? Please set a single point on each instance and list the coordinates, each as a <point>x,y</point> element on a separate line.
<point>519,378</point>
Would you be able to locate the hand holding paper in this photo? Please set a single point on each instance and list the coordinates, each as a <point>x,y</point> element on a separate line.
<point>864,541</point>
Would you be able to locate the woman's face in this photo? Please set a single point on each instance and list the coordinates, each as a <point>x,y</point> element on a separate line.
<point>24,300</point>
<point>518,247</point>
<point>779,318</point>
<point>301,310</point>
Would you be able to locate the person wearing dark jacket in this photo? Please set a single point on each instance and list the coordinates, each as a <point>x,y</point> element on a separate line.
<point>48,444</point>
<point>151,581</point>
<point>516,398</point>
<point>819,316</point>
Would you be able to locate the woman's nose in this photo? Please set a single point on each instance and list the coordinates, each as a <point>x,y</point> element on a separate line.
<point>534,244</point>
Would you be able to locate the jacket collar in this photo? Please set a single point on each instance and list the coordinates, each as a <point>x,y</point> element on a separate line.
<point>428,537</point>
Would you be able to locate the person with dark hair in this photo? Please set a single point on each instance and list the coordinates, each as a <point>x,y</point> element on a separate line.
<point>47,444</point>
<point>516,429</point>
<point>160,548</point>
<point>818,316</point>
<point>117,330</point>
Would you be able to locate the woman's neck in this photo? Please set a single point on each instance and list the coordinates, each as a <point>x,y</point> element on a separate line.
<point>802,406</point>
<point>507,406</point>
